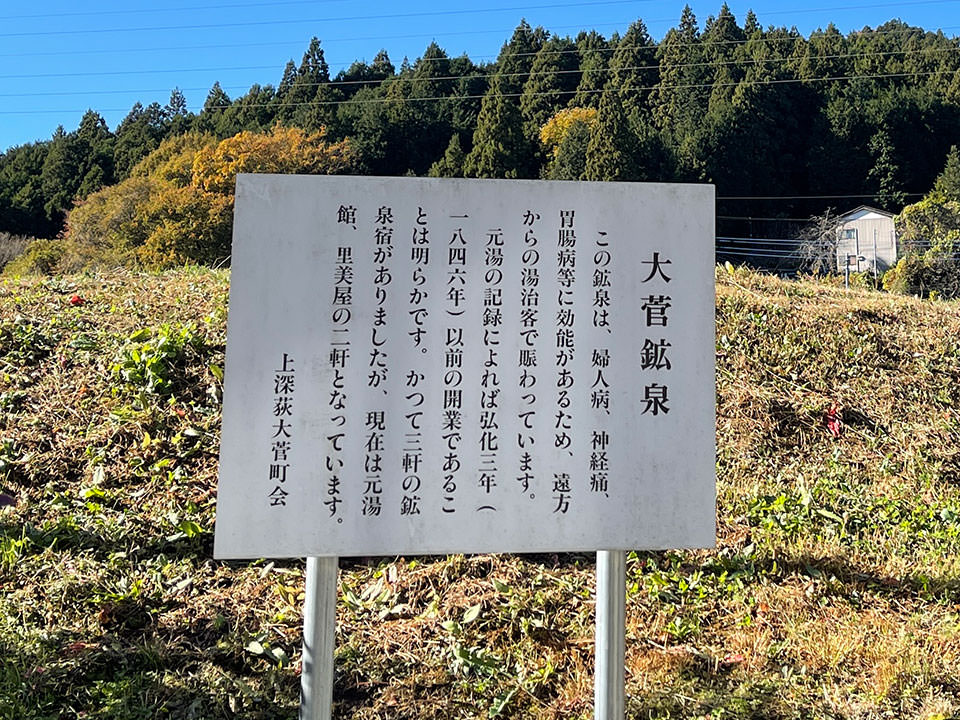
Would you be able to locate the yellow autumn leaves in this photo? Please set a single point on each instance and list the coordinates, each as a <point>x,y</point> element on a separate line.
<point>177,205</point>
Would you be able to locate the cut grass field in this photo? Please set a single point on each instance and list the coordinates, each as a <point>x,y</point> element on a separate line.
<point>834,591</point>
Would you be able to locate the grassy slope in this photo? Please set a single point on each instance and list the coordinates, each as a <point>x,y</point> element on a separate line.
<point>834,591</point>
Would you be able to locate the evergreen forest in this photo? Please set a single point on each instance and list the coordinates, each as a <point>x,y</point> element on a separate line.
<point>785,126</point>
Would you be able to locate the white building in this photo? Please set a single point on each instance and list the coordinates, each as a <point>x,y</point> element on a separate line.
<point>866,240</point>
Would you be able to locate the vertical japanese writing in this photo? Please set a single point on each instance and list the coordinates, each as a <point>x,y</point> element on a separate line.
<point>452,423</point>
<point>341,314</point>
<point>283,387</point>
<point>599,364</point>
<point>527,353</point>
<point>412,450</point>
<point>566,347</point>
<point>375,428</point>
<point>653,355</point>
<point>412,446</point>
<point>490,380</point>
<point>420,257</point>
<point>375,423</point>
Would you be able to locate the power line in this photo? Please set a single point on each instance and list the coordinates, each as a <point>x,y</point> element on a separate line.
<point>759,254</point>
<point>764,219</point>
<point>380,37</point>
<point>407,79</point>
<point>809,197</point>
<point>760,241</point>
<point>449,98</point>
<point>168,10</point>
<point>620,47</point>
<point>855,35</point>
<point>261,23</point>
<point>274,3</point>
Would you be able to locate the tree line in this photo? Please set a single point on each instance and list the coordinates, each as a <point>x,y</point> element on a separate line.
<point>784,125</point>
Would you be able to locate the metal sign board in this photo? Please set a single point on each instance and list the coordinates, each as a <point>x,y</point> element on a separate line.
<point>420,366</point>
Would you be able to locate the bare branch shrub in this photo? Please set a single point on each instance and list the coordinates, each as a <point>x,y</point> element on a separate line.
<point>818,243</point>
<point>12,247</point>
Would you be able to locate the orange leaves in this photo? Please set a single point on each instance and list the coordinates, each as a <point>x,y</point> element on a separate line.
<point>177,205</point>
<point>282,150</point>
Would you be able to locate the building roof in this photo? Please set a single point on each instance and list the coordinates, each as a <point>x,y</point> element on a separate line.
<point>865,212</point>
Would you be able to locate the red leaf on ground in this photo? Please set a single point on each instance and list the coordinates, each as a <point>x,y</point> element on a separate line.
<point>733,659</point>
<point>832,421</point>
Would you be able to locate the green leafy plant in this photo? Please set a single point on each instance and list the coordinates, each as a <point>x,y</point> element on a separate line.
<point>7,458</point>
<point>151,358</point>
<point>24,343</point>
<point>10,551</point>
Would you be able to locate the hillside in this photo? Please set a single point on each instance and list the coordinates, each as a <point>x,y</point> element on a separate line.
<point>761,111</point>
<point>834,591</point>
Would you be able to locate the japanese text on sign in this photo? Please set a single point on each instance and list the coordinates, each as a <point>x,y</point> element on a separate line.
<point>461,365</point>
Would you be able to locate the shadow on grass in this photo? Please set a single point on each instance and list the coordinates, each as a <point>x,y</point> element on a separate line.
<point>72,674</point>
<point>694,693</point>
<point>65,534</point>
<point>851,580</point>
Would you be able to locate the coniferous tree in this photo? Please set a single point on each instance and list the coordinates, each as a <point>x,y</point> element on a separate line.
<point>286,82</point>
<point>177,105</point>
<point>214,106</point>
<point>358,85</point>
<point>885,171</point>
<point>364,119</point>
<point>77,164</point>
<point>138,134</point>
<point>594,54</point>
<point>22,201</point>
<point>634,70</point>
<point>551,84</point>
<point>452,162</point>
<point>570,162</point>
<point>612,150</point>
<point>501,149</point>
<point>680,100</point>
<point>419,113</point>
<point>308,101</point>
<point>361,74</point>
<point>472,83</point>
<point>176,113</point>
<point>500,146</point>
<point>252,111</point>
<point>721,41</point>
<point>948,181</point>
<point>517,56</point>
<point>97,143</point>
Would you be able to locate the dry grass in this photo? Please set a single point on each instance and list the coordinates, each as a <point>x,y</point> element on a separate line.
<point>834,591</point>
<point>12,247</point>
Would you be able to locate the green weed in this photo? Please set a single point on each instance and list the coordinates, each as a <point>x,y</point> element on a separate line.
<point>151,359</point>
<point>25,343</point>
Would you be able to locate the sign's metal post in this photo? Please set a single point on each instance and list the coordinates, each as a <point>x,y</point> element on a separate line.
<point>319,639</point>
<point>608,683</point>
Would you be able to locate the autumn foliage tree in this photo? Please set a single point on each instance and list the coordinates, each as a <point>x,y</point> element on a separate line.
<point>177,205</point>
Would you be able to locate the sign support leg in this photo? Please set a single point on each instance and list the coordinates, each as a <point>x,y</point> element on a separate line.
<point>608,683</point>
<point>319,639</point>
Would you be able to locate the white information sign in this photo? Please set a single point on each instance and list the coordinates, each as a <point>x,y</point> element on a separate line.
<point>421,366</point>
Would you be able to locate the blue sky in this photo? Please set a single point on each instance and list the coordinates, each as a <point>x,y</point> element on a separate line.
<point>59,57</point>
